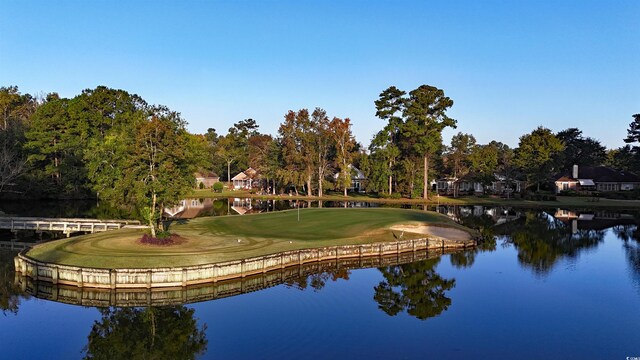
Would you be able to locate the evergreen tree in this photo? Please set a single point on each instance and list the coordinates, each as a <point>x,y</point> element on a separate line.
<point>426,117</point>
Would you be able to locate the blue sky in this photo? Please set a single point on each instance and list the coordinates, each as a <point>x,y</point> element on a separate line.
<point>509,66</point>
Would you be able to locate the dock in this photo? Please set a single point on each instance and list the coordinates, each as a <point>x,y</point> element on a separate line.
<point>65,225</point>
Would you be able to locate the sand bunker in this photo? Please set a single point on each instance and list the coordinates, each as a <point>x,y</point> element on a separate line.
<point>440,231</point>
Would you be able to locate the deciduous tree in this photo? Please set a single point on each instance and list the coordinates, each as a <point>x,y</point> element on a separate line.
<point>150,167</point>
<point>344,142</point>
<point>484,163</point>
<point>458,156</point>
<point>324,142</point>
<point>536,153</point>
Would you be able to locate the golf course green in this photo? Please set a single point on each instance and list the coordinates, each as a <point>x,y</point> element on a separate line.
<point>216,239</point>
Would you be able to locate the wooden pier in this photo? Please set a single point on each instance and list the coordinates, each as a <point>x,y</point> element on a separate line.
<point>66,226</point>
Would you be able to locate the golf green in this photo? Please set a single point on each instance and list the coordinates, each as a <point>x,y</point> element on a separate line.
<point>216,239</point>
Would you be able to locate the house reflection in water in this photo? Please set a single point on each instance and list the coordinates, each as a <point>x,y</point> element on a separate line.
<point>192,208</point>
<point>189,208</point>
<point>244,206</point>
<point>497,214</point>
<point>593,220</point>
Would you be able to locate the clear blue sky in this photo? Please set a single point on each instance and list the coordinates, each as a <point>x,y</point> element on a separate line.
<point>509,66</point>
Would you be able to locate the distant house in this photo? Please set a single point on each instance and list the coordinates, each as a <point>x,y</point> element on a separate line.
<point>445,186</point>
<point>246,179</point>
<point>207,179</point>
<point>357,179</point>
<point>596,178</point>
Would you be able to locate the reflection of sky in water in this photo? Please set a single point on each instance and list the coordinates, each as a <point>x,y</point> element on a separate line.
<point>585,306</point>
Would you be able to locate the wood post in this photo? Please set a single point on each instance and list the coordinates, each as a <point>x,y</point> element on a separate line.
<point>148,279</point>
<point>113,275</point>
<point>184,277</point>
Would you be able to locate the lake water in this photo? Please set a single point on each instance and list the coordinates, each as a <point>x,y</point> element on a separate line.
<point>552,284</point>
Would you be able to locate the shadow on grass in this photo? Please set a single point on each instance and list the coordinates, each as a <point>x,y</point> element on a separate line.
<point>168,223</point>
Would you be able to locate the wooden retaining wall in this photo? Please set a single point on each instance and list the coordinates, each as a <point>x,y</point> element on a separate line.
<point>199,274</point>
<point>100,297</point>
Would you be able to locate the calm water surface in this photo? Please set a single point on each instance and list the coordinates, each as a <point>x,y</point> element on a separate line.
<point>552,284</point>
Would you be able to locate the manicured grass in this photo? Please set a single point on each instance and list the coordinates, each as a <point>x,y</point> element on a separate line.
<point>224,238</point>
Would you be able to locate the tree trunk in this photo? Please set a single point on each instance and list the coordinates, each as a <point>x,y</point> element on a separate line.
<point>152,215</point>
<point>425,190</point>
<point>228,173</point>
<point>309,192</point>
<point>273,189</point>
<point>455,182</point>
<point>320,176</point>
<point>161,222</point>
<point>390,177</point>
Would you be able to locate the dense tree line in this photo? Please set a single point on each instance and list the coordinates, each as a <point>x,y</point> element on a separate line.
<point>114,145</point>
<point>308,150</point>
<point>103,142</point>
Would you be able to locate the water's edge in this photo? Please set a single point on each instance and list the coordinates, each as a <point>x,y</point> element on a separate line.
<point>160,277</point>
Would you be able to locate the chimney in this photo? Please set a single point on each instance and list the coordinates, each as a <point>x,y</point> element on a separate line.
<point>575,171</point>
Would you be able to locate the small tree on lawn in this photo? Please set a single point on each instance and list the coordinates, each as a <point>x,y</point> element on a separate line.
<point>148,168</point>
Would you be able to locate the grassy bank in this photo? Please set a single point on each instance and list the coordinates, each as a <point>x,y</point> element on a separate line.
<point>224,238</point>
<point>562,201</point>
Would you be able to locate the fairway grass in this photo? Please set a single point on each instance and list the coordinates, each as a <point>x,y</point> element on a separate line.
<point>224,238</point>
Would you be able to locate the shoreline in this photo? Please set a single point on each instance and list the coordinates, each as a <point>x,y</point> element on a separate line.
<point>562,201</point>
<point>132,297</point>
<point>182,276</point>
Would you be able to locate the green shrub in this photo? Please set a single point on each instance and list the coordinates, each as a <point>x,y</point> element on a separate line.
<point>218,187</point>
<point>540,197</point>
<point>390,196</point>
<point>621,195</point>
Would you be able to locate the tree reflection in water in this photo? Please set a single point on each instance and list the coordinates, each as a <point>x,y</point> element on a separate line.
<point>630,237</point>
<point>415,288</point>
<point>10,292</point>
<point>146,333</point>
<point>319,280</point>
<point>485,226</point>
<point>542,240</point>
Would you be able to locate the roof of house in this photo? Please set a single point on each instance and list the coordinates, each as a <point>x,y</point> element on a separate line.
<point>599,174</point>
<point>250,173</point>
<point>566,178</point>
<point>356,174</point>
<point>240,176</point>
